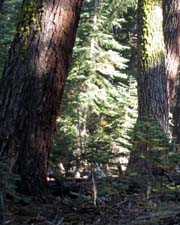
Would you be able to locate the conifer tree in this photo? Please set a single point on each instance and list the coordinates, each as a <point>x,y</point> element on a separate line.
<point>99,90</point>
<point>8,20</point>
<point>152,86</point>
<point>172,37</point>
<point>32,84</point>
<point>171,18</point>
<point>1,4</point>
<point>151,76</point>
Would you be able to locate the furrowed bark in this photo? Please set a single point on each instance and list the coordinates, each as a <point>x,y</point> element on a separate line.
<point>171,24</point>
<point>151,78</point>
<point>152,84</point>
<point>32,85</point>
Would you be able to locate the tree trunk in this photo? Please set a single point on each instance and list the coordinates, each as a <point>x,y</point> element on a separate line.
<point>171,15</point>
<point>2,206</point>
<point>32,85</point>
<point>173,52</point>
<point>1,4</point>
<point>152,92</point>
<point>152,81</point>
<point>176,115</point>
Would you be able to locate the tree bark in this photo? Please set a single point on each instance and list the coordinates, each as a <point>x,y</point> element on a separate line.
<point>32,85</point>
<point>151,78</point>
<point>176,115</point>
<point>171,15</point>
<point>2,206</point>
<point>152,92</point>
<point>173,52</point>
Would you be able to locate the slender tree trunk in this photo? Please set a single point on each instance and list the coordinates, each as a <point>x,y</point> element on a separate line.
<point>2,206</point>
<point>171,15</point>
<point>151,78</point>
<point>32,85</point>
<point>176,114</point>
<point>1,4</point>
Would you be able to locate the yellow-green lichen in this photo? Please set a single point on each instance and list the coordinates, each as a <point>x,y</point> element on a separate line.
<point>151,33</point>
<point>29,21</point>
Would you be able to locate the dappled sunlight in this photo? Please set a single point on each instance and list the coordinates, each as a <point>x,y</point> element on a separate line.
<point>91,147</point>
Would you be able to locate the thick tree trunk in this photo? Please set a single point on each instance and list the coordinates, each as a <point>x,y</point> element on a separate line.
<point>152,89</point>
<point>171,15</point>
<point>151,78</point>
<point>32,86</point>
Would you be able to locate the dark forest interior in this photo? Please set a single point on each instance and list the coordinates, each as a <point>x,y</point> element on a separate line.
<point>89,112</point>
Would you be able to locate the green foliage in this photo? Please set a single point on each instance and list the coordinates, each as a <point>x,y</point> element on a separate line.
<point>99,103</point>
<point>151,144</point>
<point>8,179</point>
<point>150,134</point>
<point>8,19</point>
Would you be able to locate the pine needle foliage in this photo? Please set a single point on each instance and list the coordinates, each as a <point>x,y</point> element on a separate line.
<point>8,178</point>
<point>8,19</point>
<point>99,103</point>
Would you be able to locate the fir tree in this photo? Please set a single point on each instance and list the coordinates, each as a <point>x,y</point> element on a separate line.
<point>99,91</point>
<point>8,19</point>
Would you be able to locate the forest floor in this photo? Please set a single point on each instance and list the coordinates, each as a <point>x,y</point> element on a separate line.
<point>110,201</point>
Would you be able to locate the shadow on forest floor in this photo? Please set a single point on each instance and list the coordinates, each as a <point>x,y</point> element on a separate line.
<point>118,201</point>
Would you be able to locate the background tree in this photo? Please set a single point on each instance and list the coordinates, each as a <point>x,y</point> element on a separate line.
<point>99,104</point>
<point>173,52</point>
<point>97,111</point>
<point>8,20</point>
<point>152,82</point>
<point>151,78</point>
<point>1,4</point>
<point>32,84</point>
<point>176,114</point>
<point>171,18</point>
